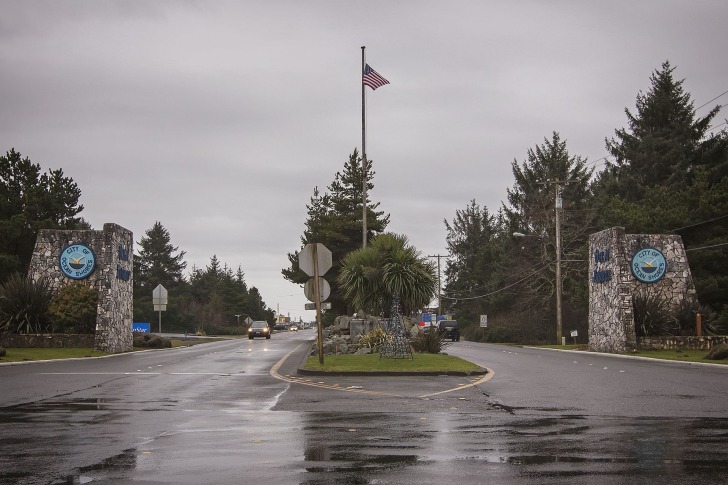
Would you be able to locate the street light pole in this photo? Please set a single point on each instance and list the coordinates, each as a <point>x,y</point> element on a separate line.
<point>558,205</point>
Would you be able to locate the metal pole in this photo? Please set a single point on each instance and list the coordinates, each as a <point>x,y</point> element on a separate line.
<point>557,207</point>
<point>317,298</point>
<point>160,323</point>
<point>363,153</point>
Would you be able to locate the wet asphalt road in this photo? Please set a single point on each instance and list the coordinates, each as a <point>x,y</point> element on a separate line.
<point>216,413</point>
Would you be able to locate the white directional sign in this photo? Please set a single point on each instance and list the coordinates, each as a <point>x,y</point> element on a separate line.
<point>324,289</point>
<point>483,321</point>
<point>312,306</point>
<point>159,298</point>
<point>323,256</point>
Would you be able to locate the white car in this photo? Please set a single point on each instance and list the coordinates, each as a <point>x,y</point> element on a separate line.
<point>293,328</point>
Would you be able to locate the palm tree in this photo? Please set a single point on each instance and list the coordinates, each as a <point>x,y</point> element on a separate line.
<point>371,277</point>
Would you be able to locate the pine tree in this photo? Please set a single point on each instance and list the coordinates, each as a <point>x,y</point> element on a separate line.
<point>475,264</point>
<point>664,142</point>
<point>670,175</point>
<point>156,263</point>
<point>30,201</point>
<point>548,168</point>
<point>335,220</point>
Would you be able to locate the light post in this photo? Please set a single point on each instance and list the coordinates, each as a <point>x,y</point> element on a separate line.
<point>238,317</point>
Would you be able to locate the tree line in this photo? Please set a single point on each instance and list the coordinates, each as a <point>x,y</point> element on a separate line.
<point>206,300</point>
<point>665,173</point>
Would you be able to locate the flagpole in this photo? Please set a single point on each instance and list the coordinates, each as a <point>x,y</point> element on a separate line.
<point>363,153</point>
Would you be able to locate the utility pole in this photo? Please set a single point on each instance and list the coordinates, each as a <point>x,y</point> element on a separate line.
<point>439,285</point>
<point>558,205</point>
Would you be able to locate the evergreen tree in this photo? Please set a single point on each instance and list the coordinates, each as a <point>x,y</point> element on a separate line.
<point>155,263</point>
<point>670,175</point>
<point>665,141</point>
<point>217,295</point>
<point>30,201</point>
<point>335,220</point>
<point>532,211</point>
<point>475,268</point>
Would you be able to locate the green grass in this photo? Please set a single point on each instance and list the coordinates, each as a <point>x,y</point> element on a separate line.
<point>680,355</point>
<point>372,363</point>
<point>563,347</point>
<point>30,354</point>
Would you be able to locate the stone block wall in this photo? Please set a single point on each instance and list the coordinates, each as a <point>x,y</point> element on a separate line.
<point>681,343</point>
<point>112,278</point>
<point>612,286</point>
<point>55,341</point>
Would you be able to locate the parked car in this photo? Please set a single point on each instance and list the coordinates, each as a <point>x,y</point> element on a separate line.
<point>259,329</point>
<point>449,329</point>
<point>293,328</point>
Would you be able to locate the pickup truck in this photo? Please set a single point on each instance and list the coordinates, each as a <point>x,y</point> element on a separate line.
<point>449,329</point>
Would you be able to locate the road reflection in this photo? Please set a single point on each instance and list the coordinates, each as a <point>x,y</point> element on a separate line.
<point>427,448</point>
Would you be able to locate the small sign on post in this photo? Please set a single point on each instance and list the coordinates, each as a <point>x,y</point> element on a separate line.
<point>159,299</point>
<point>574,334</point>
<point>484,321</point>
<point>315,260</point>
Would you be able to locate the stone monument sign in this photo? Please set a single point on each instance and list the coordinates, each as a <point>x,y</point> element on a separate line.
<point>622,266</point>
<point>102,260</point>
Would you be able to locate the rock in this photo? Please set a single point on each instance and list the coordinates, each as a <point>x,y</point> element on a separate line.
<point>719,352</point>
<point>363,351</point>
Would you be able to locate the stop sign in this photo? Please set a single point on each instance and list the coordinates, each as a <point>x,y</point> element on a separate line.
<point>323,258</point>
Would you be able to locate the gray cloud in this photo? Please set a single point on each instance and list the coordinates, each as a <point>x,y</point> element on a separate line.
<point>219,118</point>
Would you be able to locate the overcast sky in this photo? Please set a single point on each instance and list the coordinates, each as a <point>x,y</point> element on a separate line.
<point>218,118</point>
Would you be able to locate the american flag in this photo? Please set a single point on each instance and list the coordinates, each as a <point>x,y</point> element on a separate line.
<point>372,78</point>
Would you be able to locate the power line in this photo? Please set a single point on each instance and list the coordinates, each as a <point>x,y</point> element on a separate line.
<point>706,104</point>
<point>699,223</point>
<point>707,247</point>
<point>502,289</point>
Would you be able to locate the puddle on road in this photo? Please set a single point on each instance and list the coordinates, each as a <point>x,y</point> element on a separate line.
<point>114,467</point>
<point>569,448</point>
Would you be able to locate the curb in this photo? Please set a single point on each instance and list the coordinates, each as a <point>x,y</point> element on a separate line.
<point>633,357</point>
<point>310,372</point>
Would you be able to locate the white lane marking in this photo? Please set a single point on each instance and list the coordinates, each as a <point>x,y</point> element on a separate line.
<point>142,373</point>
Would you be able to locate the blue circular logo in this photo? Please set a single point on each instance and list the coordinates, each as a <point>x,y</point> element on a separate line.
<point>648,265</point>
<point>77,261</point>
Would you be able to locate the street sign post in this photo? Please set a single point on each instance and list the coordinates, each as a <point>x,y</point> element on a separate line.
<point>324,288</point>
<point>159,299</point>
<point>325,305</point>
<point>315,260</point>
<point>315,254</point>
<point>484,321</point>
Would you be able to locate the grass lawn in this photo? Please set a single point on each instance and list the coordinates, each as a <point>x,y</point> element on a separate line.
<point>20,355</point>
<point>372,362</point>
<point>30,354</point>
<point>681,355</point>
